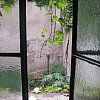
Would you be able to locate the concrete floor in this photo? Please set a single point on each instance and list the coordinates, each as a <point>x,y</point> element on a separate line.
<point>41,96</point>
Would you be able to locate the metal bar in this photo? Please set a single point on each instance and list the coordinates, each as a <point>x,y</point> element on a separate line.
<point>74,40</point>
<point>48,61</point>
<point>89,52</point>
<point>10,55</point>
<point>23,48</point>
<point>87,59</point>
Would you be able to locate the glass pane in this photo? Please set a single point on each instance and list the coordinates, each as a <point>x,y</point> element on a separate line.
<point>36,21</point>
<point>9,30</point>
<point>87,81</point>
<point>95,57</point>
<point>88,25</point>
<point>10,79</point>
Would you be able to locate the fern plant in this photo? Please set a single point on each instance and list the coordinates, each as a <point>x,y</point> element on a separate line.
<point>54,79</point>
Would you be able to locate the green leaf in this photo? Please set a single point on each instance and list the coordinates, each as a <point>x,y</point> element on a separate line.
<point>58,83</point>
<point>57,42</point>
<point>6,8</point>
<point>45,30</point>
<point>11,1</point>
<point>42,49</point>
<point>66,86</point>
<point>50,40</point>
<point>59,33</point>
<point>58,76</point>
<point>54,18</point>
<point>52,2</point>
<point>62,21</point>
<point>61,4</point>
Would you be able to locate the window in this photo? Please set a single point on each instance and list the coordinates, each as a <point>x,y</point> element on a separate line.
<point>15,68</point>
<point>85,74</point>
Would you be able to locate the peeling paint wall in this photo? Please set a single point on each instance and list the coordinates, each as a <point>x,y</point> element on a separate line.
<point>67,50</point>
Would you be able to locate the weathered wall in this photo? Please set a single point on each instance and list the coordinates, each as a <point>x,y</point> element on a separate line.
<point>67,48</point>
<point>36,19</point>
<point>9,37</point>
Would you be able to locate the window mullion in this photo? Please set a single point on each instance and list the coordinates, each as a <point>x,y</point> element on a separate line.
<point>23,48</point>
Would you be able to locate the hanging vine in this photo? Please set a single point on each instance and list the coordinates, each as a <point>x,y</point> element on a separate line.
<point>6,5</point>
<point>65,20</point>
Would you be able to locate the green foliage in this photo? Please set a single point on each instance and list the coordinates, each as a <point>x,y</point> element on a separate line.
<point>41,3</point>
<point>55,88</point>
<point>56,81</point>
<point>68,15</point>
<point>61,4</point>
<point>53,79</point>
<point>58,38</point>
<point>6,8</point>
<point>51,41</point>
<point>52,3</point>
<point>52,88</point>
<point>57,68</point>
<point>66,7</point>
<point>62,21</point>
<point>66,86</point>
<point>32,83</point>
<point>54,18</point>
<point>53,82</point>
<point>44,31</point>
<point>6,5</point>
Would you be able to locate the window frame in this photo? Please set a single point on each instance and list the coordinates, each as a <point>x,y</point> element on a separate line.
<point>23,49</point>
<point>78,54</point>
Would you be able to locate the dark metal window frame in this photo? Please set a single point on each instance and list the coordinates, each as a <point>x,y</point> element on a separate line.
<point>78,54</point>
<point>23,49</point>
<point>74,39</point>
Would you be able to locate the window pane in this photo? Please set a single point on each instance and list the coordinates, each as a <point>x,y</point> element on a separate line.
<point>87,81</point>
<point>9,30</point>
<point>96,57</point>
<point>10,79</point>
<point>87,76</point>
<point>88,25</point>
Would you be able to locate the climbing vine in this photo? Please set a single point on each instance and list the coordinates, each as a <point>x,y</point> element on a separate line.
<point>66,5</point>
<point>41,3</point>
<point>6,5</point>
<point>65,20</point>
